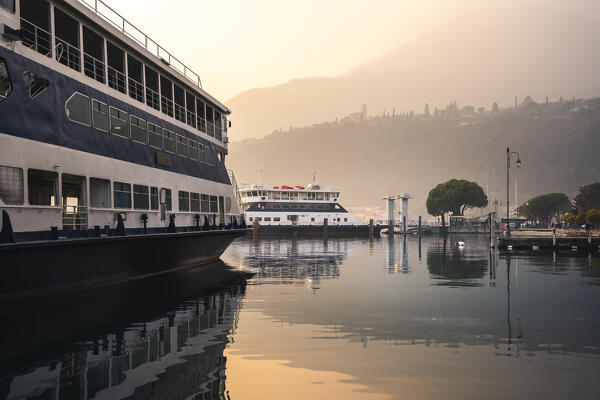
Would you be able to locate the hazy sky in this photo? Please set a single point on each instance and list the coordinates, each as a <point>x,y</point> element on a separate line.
<point>237,45</point>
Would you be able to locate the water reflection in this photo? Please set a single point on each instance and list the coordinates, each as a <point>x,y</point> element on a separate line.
<point>176,355</point>
<point>451,265</point>
<point>295,261</point>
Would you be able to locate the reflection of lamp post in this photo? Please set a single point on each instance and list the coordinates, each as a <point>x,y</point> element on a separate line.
<point>508,155</point>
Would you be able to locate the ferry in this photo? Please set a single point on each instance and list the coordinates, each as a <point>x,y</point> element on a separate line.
<point>112,155</point>
<point>299,209</point>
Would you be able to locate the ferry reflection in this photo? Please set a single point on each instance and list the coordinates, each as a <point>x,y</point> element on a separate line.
<point>299,261</point>
<point>176,355</point>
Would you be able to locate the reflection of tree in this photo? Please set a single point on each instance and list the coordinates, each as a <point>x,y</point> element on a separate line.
<point>452,266</point>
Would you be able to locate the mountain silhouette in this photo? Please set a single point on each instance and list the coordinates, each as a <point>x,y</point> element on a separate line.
<point>486,54</point>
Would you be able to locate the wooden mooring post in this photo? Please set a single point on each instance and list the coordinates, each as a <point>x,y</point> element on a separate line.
<point>419,228</point>
<point>371,229</point>
<point>325,224</point>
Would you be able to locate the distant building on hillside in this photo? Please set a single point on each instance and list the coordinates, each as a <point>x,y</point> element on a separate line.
<point>363,112</point>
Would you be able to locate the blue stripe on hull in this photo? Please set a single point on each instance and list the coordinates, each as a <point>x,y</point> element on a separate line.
<point>43,119</point>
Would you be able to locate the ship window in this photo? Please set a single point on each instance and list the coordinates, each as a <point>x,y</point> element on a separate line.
<point>214,208</point>
<point>168,202</point>
<point>66,36</point>
<point>99,193</point>
<point>154,198</point>
<point>100,115</point>
<point>312,220</point>
<point>250,219</point>
<point>184,201</point>
<point>169,140</point>
<point>42,187</point>
<point>179,96</point>
<point>140,197</point>
<point>5,83</point>
<point>35,25</point>
<point>182,146</point>
<point>166,96</point>
<point>8,4</point>
<point>119,122</point>
<point>193,149</point>
<point>190,103</point>
<point>135,79</point>
<point>267,219</point>
<point>116,67</point>
<point>209,119</point>
<point>93,55</point>
<point>205,203</point>
<point>154,136</point>
<point>78,109</point>
<point>138,130</point>
<point>259,219</point>
<point>152,97</point>
<point>337,207</point>
<point>11,185</point>
<point>201,154</point>
<point>276,219</point>
<point>201,115</point>
<point>218,122</point>
<point>122,195</point>
<point>194,202</point>
<point>345,219</point>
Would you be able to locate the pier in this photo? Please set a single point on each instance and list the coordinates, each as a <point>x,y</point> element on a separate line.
<point>549,241</point>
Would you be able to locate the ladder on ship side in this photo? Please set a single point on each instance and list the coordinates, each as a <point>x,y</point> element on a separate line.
<point>236,190</point>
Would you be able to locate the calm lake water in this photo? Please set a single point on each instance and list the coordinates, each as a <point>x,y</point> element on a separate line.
<point>342,319</point>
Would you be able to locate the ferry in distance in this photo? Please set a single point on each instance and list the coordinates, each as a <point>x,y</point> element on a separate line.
<point>112,155</point>
<point>302,209</point>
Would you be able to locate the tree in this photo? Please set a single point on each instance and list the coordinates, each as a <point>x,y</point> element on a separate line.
<point>593,217</point>
<point>544,207</point>
<point>588,197</point>
<point>455,196</point>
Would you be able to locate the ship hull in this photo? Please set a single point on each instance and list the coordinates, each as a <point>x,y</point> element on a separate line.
<point>46,269</point>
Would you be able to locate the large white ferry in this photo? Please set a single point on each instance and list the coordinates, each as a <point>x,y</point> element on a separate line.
<point>108,146</point>
<point>304,209</point>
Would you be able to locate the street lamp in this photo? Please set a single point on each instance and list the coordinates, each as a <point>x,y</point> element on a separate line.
<point>508,155</point>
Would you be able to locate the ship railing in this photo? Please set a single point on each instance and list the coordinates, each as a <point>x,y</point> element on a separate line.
<point>191,118</point>
<point>116,79</point>
<point>166,105</point>
<point>36,38</point>
<point>179,112</point>
<point>67,54</point>
<point>236,189</point>
<point>93,67</point>
<point>201,124</point>
<point>75,217</point>
<point>136,90</point>
<point>211,130</point>
<point>111,16</point>
<point>152,98</point>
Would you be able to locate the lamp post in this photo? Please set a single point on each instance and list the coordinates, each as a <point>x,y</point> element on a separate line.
<point>508,155</point>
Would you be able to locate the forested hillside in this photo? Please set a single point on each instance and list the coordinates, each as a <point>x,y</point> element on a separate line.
<point>559,144</point>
